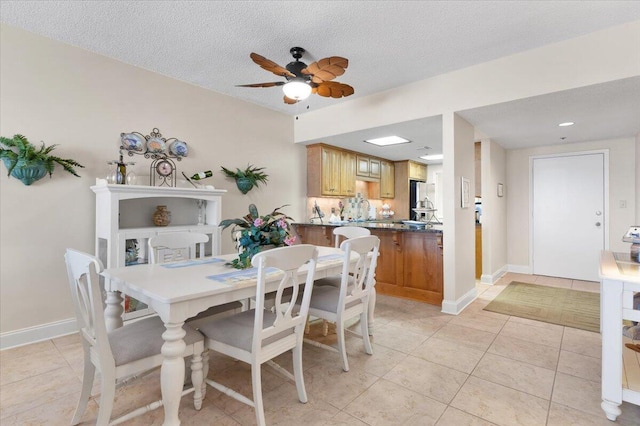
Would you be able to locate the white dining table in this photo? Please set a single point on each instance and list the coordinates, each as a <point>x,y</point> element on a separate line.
<point>180,290</point>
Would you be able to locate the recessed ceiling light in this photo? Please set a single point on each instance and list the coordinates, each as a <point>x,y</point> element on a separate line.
<point>387,140</point>
<point>432,157</point>
<point>568,123</point>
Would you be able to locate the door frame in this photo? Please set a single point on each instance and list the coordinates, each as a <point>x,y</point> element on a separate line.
<point>605,153</point>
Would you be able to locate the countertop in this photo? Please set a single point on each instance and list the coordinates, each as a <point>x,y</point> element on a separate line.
<point>381,225</point>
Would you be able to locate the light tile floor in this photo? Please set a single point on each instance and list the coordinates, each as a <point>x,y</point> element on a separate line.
<point>428,368</point>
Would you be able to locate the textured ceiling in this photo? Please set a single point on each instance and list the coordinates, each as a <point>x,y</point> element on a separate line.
<point>388,43</point>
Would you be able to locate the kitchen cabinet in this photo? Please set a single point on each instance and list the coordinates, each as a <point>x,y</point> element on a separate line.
<point>417,171</point>
<point>348,174</point>
<point>387,180</point>
<point>368,167</point>
<point>330,172</point>
<point>318,235</point>
<point>409,263</point>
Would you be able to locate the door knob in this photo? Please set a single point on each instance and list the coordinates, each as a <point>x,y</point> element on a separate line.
<point>597,223</point>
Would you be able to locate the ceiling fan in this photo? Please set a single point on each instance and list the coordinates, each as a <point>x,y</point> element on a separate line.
<point>303,80</point>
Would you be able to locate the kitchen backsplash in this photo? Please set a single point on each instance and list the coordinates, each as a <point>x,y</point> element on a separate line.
<point>326,204</point>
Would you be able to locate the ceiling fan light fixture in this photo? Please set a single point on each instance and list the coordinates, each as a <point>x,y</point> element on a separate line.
<point>297,89</point>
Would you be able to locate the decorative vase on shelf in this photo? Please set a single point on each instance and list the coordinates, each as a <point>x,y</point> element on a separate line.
<point>162,216</point>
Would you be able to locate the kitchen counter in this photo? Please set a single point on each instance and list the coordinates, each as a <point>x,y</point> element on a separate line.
<point>394,226</point>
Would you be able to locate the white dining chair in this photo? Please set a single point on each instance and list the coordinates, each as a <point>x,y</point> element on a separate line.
<point>349,232</point>
<point>341,233</point>
<point>175,246</point>
<point>340,298</point>
<point>258,335</point>
<point>124,353</point>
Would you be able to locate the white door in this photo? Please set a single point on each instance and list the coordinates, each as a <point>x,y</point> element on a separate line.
<point>569,222</point>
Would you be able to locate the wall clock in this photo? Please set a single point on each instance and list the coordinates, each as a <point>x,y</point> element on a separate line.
<point>163,172</point>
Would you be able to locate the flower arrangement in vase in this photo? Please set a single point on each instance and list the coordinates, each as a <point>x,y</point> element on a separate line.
<point>256,232</point>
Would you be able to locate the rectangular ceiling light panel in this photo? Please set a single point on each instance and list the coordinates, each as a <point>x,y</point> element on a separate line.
<point>387,140</point>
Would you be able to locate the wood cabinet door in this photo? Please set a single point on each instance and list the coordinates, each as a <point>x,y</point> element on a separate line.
<point>347,174</point>
<point>374,168</point>
<point>387,180</point>
<point>389,266</point>
<point>330,172</point>
<point>362,167</point>
<point>417,171</point>
<point>315,234</point>
<point>422,267</point>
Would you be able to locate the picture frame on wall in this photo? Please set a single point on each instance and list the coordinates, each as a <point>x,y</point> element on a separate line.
<point>500,190</point>
<point>465,192</point>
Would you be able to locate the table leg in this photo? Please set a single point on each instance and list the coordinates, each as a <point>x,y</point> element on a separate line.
<point>113,310</point>
<point>172,373</point>
<point>611,320</point>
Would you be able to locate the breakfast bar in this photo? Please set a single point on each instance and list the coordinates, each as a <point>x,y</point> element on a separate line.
<point>410,261</point>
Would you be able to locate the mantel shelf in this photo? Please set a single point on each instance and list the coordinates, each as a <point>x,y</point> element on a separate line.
<point>143,191</point>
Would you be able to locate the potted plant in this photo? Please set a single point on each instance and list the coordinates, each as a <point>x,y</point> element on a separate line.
<point>247,178</point>
<point>256,232</point>
<point>26,162</point>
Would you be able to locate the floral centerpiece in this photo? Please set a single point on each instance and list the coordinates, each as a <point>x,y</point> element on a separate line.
<point>257,231</point>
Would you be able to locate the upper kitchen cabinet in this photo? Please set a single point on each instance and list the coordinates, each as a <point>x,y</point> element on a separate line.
<point>368,167</point>
<point>348,174</point>
<point>387,180</point>
<point>417,171</point>
<point>330,172</point>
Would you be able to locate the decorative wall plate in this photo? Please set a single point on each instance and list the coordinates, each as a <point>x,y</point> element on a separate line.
<point>156,146</point>
<point>133,142</point>
<point>178,148</point>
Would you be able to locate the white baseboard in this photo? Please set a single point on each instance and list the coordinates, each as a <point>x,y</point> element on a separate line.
<point>38,333</point>
<point>493,278</point>
<point>455,307</point>
<point>520,269</point>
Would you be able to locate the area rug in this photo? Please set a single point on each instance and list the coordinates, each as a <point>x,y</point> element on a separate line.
<point>571,308</point>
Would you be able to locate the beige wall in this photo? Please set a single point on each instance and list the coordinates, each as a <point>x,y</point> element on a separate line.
<point>622,169</point>
<point>494,211</point>
<point>64,95</point>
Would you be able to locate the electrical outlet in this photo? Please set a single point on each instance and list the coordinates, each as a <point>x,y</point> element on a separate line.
<point>623,204</point>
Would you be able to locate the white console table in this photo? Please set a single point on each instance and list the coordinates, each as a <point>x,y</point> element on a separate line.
<point>619,280</point>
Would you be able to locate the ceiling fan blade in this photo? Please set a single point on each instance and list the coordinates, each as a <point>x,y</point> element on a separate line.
<point>270,84</point>
<point>270,66</point>
<point>333,89</point>
<point>289,101</point>
<point>327,69</point>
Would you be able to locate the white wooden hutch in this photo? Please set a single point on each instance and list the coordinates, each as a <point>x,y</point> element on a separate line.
<point>125,212</point>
